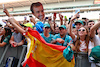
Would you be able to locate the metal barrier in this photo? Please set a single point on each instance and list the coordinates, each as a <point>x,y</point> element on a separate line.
<point>81,59</point>
<point>7,51</point>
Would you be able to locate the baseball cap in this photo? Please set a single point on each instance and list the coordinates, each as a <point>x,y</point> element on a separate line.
<point>27,25</point>
<point>79,21</point>
<point>46,25</point>
<point>62,26</point>
<point>95,54</point>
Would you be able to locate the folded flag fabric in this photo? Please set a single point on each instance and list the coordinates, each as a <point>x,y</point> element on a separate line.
<point>42,54</point>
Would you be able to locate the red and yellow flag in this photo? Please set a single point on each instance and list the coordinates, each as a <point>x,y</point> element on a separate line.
<point>42,54</point>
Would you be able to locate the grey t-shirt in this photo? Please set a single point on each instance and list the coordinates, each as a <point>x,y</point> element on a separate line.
<point>18,37</point>
<point>96,40</point>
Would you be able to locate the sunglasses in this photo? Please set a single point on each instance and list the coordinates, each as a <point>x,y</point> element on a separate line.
<point>61,28</point>
<point>81,30</point>
<point>47,27</point>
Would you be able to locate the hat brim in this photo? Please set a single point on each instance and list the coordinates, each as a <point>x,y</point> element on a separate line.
<point>61,27</point>
<point>77,22</point>
<point>22,25</point>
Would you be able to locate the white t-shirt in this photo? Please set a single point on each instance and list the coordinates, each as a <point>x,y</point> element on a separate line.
<point>96,40</point>
<point>83,46</point>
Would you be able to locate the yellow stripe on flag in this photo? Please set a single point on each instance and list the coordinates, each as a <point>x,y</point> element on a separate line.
<point>46,55</point>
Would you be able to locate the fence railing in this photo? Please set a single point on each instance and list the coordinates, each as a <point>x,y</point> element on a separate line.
<point>8,51</point>
<point>81,59</point>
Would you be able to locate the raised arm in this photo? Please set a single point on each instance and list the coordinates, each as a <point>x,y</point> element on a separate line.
<point>7,13</point>
<point>70,25</point>
<point>94,28</point>
<point>61,19</point>
<point>32,20</point>
<point>14,22</point>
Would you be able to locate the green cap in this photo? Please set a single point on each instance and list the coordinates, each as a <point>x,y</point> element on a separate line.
<point>79,21</point>
<point>27,25</point>
<point>62,26</point>
<point>46,25</point>
<point>95,54</point>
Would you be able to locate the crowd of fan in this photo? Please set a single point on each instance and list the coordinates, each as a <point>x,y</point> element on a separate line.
<point>81,35</point>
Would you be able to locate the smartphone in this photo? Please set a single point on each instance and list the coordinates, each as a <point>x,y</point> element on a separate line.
<point>77,11</point>
<point>84,18</point>
<point>46,17</point>
<point>30,16</point>
<point>3,6</point>
<point>55,14</point>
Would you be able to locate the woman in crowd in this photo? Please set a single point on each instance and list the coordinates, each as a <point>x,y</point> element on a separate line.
<point>82,39</point>
<point>6,35</point>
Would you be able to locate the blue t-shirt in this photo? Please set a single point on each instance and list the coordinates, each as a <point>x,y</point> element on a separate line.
<point>67,39</point>
<point>47,39</point>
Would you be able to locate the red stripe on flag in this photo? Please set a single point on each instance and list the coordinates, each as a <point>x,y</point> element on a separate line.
<point>31,62</point>
<point>37,35</point>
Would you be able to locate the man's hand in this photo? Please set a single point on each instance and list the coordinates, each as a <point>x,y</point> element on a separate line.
<point>60,40</point>
<point>32,20</point>
<point>6,12</point>
<point>75,16</point>
<point>60,16</point>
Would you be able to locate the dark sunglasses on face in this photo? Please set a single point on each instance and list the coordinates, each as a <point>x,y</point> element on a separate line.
<point>47,27</point>
<point>61,28</point>
<point>81,30</point>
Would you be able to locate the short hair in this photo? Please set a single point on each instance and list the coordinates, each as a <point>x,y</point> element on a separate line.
<point>90,21</point>
<point>35,5</point>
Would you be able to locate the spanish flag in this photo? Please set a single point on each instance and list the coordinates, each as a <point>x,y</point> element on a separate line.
<point>42,54</point>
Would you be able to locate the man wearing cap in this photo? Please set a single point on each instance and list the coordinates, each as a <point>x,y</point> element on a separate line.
<point>27,25</point>
<point>79,24</point>
<point>46,34</point>
<point>62,38</point>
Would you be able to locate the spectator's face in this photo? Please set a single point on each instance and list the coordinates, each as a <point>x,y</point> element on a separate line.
<point>74,31</point>
<point>46,29</point>
<point>39,12</point>
<point>62,31</point>
<point>57,30</point>
<point>90,24</point>
<point>2,31</point>
<point>82,31</point>
<point>78,25</point>
<point>34,28</point>
<point>15,30</point>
